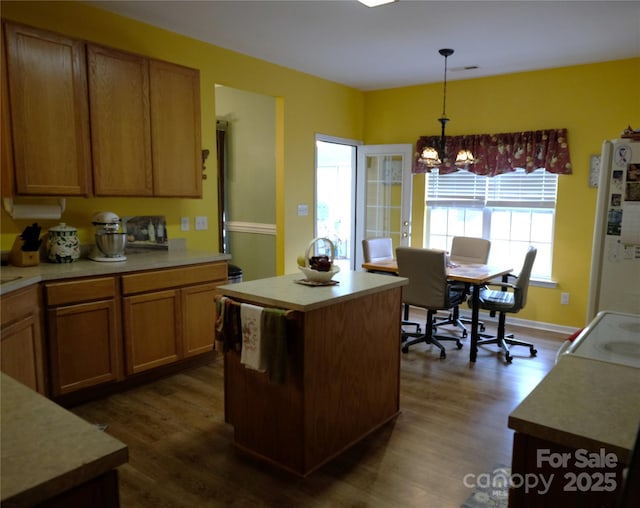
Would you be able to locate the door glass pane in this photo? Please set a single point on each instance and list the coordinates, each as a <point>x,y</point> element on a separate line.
<point>383,215</point>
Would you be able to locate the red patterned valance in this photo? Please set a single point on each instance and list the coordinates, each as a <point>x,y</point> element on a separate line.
<point>503,153</point>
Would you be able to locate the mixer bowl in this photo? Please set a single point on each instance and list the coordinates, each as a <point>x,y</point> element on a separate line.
<point>111,244</point>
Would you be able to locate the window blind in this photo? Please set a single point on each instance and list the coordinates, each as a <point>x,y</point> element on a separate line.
<point>537,189</point>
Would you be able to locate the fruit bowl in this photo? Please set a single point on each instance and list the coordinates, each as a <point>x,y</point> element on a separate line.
<point>317,276</point>
<point>311,274</point>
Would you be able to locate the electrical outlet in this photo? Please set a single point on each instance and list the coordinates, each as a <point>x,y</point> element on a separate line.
<point>184,224</point>
<point>564,298</point>
<point>201,223</point>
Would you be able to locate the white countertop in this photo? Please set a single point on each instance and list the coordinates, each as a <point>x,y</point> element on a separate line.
<point>152,260</point>
<point>284,292</point>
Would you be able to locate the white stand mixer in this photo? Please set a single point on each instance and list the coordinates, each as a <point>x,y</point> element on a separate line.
<point>110,242</point>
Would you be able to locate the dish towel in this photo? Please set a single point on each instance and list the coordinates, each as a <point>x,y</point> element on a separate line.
<point>228,327</point>
<point>274,338</point>
<point>253,354</point>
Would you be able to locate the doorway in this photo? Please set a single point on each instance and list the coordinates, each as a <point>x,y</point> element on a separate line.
<point>335,196</point>
<point>362,191</point>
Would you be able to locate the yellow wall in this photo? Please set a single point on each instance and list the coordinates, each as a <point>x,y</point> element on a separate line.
<point>306,105</point>
<point>594,102</point>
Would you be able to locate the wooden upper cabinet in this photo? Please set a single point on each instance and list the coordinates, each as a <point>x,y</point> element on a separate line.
<point>49,112</point>
<point>175,130</point>
<point>120,122</point>
<point>6,146</point>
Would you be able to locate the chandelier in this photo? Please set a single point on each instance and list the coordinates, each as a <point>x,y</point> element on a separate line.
<point>434,156</point>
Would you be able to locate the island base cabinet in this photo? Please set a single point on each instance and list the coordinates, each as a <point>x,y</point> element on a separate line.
<point>84,346</point>
<point>342,383</point>
<point>101,492</point>
<point>547,474</point>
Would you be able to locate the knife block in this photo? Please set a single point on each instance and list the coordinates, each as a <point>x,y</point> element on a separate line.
<point>19,257</point>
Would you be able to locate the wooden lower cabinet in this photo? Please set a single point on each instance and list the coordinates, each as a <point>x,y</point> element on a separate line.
<point>103,330</point>
<point>170,314</point>
<point>152,330</point>
<point>198,318</point>
<point>21,345</point>
<point>85,339</point>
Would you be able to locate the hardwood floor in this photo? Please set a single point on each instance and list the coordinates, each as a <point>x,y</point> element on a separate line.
<point>453,422</point>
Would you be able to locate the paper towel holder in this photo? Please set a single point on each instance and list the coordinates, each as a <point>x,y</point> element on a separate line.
<point>34,211</point>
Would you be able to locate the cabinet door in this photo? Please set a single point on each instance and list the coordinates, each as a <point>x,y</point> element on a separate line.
<point>198,319</point>
<point>152,330</point>
<point>120,122</point>
<point>175,130</point>
<point>84,345</point>
<point>49,112</point>
<point>6,146</point>
<point>21,347</point>
<point>22,352</point>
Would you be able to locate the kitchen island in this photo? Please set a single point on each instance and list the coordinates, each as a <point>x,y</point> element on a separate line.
<point>343,369</point>
<point>576,430</point>
<point>49,455</point>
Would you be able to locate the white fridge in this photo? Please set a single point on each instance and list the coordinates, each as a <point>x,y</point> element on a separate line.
<point>615,262</point>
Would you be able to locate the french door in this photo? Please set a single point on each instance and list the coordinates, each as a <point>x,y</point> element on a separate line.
<point>362,191</point>
<point>383,195</point>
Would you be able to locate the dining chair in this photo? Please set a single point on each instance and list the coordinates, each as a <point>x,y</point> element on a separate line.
<point>465,250</point>
<point>509,299</point>
<point>377,249</point>
<point>428,288</point>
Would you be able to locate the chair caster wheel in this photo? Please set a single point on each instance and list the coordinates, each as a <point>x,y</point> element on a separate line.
<point>405,349</point>
<point>508,358</point>
<point>459,345</point>
<point>533,351</point>
<point>482,328</point>
<point>464,334</point>
<point>443,355</point>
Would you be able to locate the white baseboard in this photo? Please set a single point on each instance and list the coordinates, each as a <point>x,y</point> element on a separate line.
<point>513,320</point>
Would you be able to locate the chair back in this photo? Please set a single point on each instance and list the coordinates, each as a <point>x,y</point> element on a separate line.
<point>375,249</point>
<point>467,249</point>
<point>522,282</point>
<point>426,270</point>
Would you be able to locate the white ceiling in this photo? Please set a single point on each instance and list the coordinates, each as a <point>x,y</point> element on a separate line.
<point>397,44</point>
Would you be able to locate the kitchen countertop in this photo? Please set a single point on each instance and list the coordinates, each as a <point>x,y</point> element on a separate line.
<point>45,449</point>
<point>584,403</point>
<point>285,293</point>
<point>151,260</point>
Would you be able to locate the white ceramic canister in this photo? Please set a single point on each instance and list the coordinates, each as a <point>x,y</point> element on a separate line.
<point>63,245</point>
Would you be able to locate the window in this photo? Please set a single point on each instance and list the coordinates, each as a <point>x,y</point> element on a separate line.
<point>513,210</point>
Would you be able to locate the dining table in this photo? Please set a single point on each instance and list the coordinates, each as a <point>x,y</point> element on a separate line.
<point>475,275</point>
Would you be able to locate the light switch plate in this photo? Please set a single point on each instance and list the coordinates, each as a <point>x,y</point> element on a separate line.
<point>201,223</point>
<point>184,224</point>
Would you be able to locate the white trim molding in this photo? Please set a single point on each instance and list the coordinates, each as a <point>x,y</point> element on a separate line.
<point>251,227</point>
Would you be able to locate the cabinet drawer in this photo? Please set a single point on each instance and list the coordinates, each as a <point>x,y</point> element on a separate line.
<point>79,291</point>
<point>174,277</point>
<point>19,303</point>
